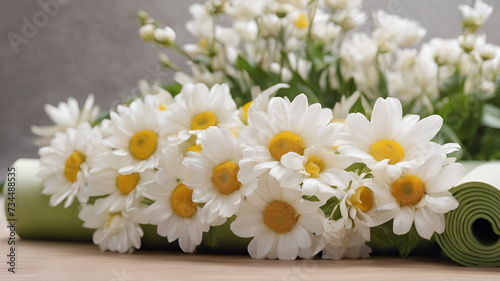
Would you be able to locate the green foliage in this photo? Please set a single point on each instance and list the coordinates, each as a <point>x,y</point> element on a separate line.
<point>407,242</point>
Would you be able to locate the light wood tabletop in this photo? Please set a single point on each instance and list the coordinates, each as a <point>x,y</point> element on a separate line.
<point>52,260</point>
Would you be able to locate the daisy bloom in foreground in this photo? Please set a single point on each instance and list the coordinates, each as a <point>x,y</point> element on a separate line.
<point>196,108</point>
<point>64,165</point>
<point>134,138</point>
<point>174,212</point>
<point>358,207</point>
<point>115,230</point>
<point>65,115</point>
<point>286,127</point>
<point>282,224</point>
<point>420,194</point>
<point>213,174</point>
<point>319,172</point>
<point>123,191</point>
<point>389,141</point>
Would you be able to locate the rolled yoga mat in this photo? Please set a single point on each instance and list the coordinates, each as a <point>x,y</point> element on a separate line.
<point>472,233</point>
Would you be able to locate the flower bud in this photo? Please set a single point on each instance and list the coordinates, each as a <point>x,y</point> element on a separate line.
<point>165,35</point>
<point>147,32</point>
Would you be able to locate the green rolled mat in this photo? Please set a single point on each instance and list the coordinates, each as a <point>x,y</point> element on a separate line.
<point>472,233</point>
<point>31,213</point>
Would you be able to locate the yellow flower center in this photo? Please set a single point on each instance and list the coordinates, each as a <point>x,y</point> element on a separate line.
<point>314,166</point>
<point>280,216</point>
<point>203,120</point>
<point>225,178</point>
<point>162,107</point>
<point>387,149</point>
<point>203,43</point>
<point>194,148</point>
<point>285,142</point>
<point>72,165</point>
<point>143,144</point>
<point>302,21</point>
<point>182,202</point>
<point>408,190</point>
<point>246,107</point>
<point>127,183</point>
<point>362,199</point>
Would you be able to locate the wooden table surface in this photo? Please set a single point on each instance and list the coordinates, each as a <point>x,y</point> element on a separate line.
<point>49,260</point>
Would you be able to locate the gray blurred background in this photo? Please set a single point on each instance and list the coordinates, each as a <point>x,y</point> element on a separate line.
<point>93,46</point>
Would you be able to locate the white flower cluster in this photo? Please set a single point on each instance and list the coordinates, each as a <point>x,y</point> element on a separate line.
<point>285,170</point>
<point>317,43</point>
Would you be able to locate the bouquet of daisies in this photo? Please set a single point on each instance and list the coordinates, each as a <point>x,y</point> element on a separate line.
<point>290,130</point>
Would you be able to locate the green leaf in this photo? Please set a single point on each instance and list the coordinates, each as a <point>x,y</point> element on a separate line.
<point>173,89</point>
<point>382,237</point>
<point>407,242</point>
<point>358,168</point>
<point>243,64</point>
<point>330,205</point>
<point>491,116</point>
<point>382,85</point>
<point>311,198</point>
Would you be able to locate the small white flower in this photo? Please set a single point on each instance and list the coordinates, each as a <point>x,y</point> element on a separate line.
<point>343,4</point>
<point>115,230</point>
<point>135,138</point>
<point>442,51</point>
<point>419,194</point>
<point>196,108</point>
<point>245,10</point>
<point>474,17</point>
<point>286,127</point>
<point>393,32</point>
<point>247,30</point>
<point>281,223</point>
<point>349,19</point>
<point>147,32</point>
<point>65,115</point>
<point>319,172</point>
<point>341,109</point>
<point>165,35</point>
<point>174,212</point>
<point>388,141</point>
<point>64,164</point>
<point>213,174</point>
<point>340,242</point>
<point>359,207</point>
<point>122,191</point>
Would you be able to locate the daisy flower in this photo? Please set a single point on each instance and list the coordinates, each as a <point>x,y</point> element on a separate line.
<point>281,223</point>
<point>388,141</point>
<point>196,108</point>
<point>64,165</point>
<point>358,207</point>
<point>176,215</point>
<point>320,170</point>
<point>134,138</point>
<point>115,230</point>
<point>419,194</point>
<point>65,115</point>
<point>213,174</point>
<point>286,127</point>
<point>122,191</point>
